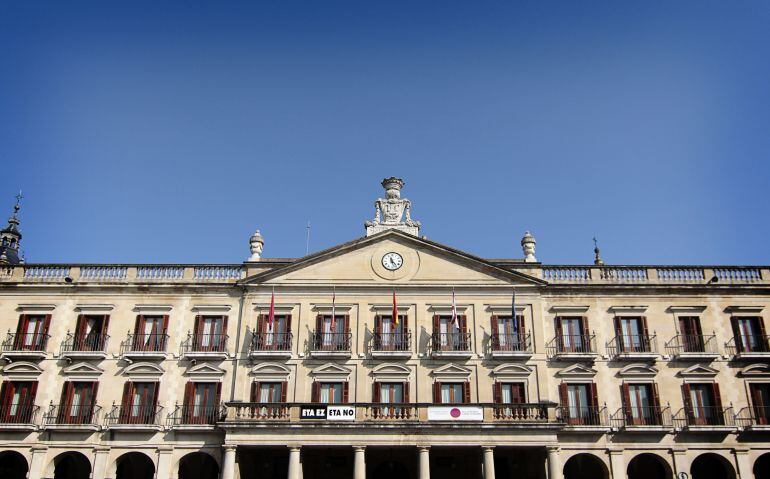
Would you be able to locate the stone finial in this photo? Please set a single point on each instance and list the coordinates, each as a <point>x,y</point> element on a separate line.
<point>528,246</point>
<point>392,212</point>
<point>256,245</point>
<point>598,261</point>
<point>10,236</point>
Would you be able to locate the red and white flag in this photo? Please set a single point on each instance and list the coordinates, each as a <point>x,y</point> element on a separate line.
<point>455,320</point>
<point>333,325</point>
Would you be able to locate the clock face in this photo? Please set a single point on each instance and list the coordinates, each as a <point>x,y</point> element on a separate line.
<point>392,261</point>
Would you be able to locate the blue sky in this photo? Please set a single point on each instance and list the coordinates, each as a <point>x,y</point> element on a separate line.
<point>168,132</point>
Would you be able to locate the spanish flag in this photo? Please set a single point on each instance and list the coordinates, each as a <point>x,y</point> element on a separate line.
<point>394,313</point>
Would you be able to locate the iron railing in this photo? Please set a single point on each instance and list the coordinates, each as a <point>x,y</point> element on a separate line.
<point>457,341</point>
<point>18,413</point>
<point>753,416</point>
<point>512,342</point>
<point>205,343</point>
<point>139,414</point>
<point>755,343</point>
<point>271,341</point>
<point>571,344</point>
<point>85,342</point>
<point>583,415</point>
<point>25,342</point>
<point>73,414</point>
<point>190,414</point>
<point>144,343</point>
<point>692,343</point>
<point>398,341</point>
<point>695,416</point>
<point>323,341</point>
<point>632,343</point>
<point>642,416</point>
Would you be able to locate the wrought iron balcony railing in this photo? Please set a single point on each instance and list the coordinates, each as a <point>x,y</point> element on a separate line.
<point>692,344</point>
<point>632,344</point>
<point>18,413</point>
<point>85,342</point>
<point>144,343</point>
<point>205,343</point>
<point>753,416</point>
<point>25,342</point>
<point>323,341</point>
<point>512,342</point>
<point>571,344</point>
<point>700,416</point>
<point>138,414</point>
<point>459,341</point>
<point>196,415</point>
<point>271,341</point>
<point>583,415</point>
<point>755,343</point>
<point>399,341</point>
<point>72,414</point>
<point>649,416</point>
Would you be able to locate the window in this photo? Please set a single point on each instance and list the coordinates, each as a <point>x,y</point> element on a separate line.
<point>760,402</point>
<point>448,335</point>
<point>276,336</point>
<point>511,393</point>
<point>32,332</point>
<point>749,334</point>
<point>572,334</point>
<point>201,403</point>
<point>91,332</point>
<point>580,403</point>
<point>389,336</point>
<point>641,404</point>
<point>17,401</point>
<point>210,333</point>
<point>139,403</point>
<point>703,404</point>
<point>391,393</point>
<point>77,402</point>
<point>451,393</point>
<point>150,333</point>
<point>692,337</point>
<point>508,333</point>
<point>632,334</point>
<point>330,392</point>
<point>332,334</point>
<point>268,392</point>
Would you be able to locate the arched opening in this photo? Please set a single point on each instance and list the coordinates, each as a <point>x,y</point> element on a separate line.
<point>134,465</point>
<point>581,466</point>
<point>198,465</point>
<point>390,469</point>
<point>762,466</point>
<point>648,466</point>
<point>71,465</point>
<point>712,466</point>
<point>12,465</point>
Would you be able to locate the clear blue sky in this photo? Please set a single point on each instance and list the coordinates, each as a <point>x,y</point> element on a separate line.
<point>167,132</point>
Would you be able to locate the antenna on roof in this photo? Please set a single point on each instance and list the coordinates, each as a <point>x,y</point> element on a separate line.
<point>307,240</point>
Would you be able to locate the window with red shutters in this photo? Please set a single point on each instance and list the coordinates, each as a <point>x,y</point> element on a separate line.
<point>17,401</point>
<point>32,332</point>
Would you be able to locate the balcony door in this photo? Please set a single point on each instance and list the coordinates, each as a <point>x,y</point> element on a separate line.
<point>692,336</point>
<point>632,334</point>
<point>150,333</point>
<point>641,404</point>
<point>330,392</point>
<point>450,335</point>
<point>509,332</point>
<point>275,335</point>
<point>703,404</point>
<point>90,332</point>
<point>571,332</point>
<point>140,400</point>
<point>390,336</point>
<point>451,393</point>
<point>390,393</point>
<point>760,402</point>
<point>31,332</point>
<point>201,402</point>
<point>210,333</point>
<point>17,400</point>
<point>332,334</point>
<point>77,402</point>
<point>749,334</point>
<point>580,403</point>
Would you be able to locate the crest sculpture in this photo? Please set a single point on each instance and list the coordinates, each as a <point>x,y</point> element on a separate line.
<point>392,212</point>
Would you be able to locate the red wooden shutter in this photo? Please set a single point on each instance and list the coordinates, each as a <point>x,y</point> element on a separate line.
<point>165,324</point>
<point>189,394</point>
<point>495,333</point>
<point>261,324</point>
<point>94,390</point>
<point>687,399</point>
<point>626,395</point>
<point>521,325</point>
<point>32,393</point>
<point>559,333</point>
<point>284,390</point>
<point>5,399</point>
<point>736,334</point>
<point>518,395</point>
<point>219,394</point>
<point>377,324</point>
<point>497,393</point>
<point>319,324</point>
<point>287,327</point>
<point>46,325</point>
<point>463,320</point>
<point>80,326</point>
<point>619,335</point>
<point>254,391</point>
<point>645,334</point>
<point>345,392</point>
<point>406,392</point>
<point>404,322</point>
<point>564,400</point>
<point>346,323</point>
<point>223,336</point>
<point>762,333</point>
<point>197,331</point>
<point>125,410</point>
<point>21,327</point>
<point>315,394</point>
<point>139,325</point>
<point>594,396</point>
<point>437,392</point>
<point>436,321</point>
<point>105,325</point>
<point>656,412</point>
<point>376,392</point>
<point>717,397</point>
<point>65,404</point>
<point>466,392</point>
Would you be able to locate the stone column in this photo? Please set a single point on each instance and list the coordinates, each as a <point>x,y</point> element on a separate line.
<point>617,464</point>
<point>164,463</point>
<point>489,462</point>
<point>37,462</point>
<point>742,464</point>
<point>101,456</point>
<point>295,468</point>
<point>554,463</point>
<point>359,462</point>
<point>228,462</point>
<point>424,462</point>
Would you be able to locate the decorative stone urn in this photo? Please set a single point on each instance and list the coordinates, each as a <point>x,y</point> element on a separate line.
<point>528,246</point>
<point>256,245</point>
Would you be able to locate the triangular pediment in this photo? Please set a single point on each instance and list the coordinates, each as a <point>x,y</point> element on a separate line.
<point>205,369</point>
<point>143,369</point>
<point>698,370</point>
<point>756,370</point>
<point>423,261</point>
<point>22,368</point>
<point>577,370</point>
<point>637,370</point>
<point>511,371</point>
<point>82,369</point>
<point>452,371</point>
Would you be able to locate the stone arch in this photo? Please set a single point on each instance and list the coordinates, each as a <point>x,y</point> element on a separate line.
<point>585,464</point>
<point>711,466</point>
<point>69,465</point>
<point>13,465</point>
<point>649,466</point>
<point>198,465</point>
<point>131,465</point>
<point>762,466</point>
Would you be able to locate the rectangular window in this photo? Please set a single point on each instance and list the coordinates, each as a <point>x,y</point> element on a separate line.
<point>330,392</point>
<point>332,333</point>
<point>90,332</point>
<point>31,332</point>
<point>760,402</point>
<point>450,335</point>
<point>150,333</point>
<point>750,334</point>
<point>390,336</point>
<point>512,393</point>
<point>580,403</point>
<point>452,393</point>
<point>17,401</point>
<point>391,393</point>
<point>641,404</point>
<point>270,392</point>
<point>632,334</point>
<point>508,333</point>
<point>692,338</point>
<point>703,404</point>
<point>201,403</point>
<point>139,403</point>
<point>572,334</point>
<point>78,401</point>
<point>210,333</point>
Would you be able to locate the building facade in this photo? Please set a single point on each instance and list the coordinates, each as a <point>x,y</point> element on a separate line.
<point>387,356</point>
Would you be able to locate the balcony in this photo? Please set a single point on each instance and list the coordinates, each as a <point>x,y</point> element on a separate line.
<point>451,345</point>
<point>134,418</point>
<point>590,419</point>
<point>709,419</point>
<point>572,347</point>
<point>89,346</point>
<point>74,417</point>
<point>508,346</point>
<point>392,345</point>
<point>651,419</point>
<point>25,346</point>
<point>18,417</point>
<point>753,347</point>
<point>205,346</point>
<point>694,347</point>
<point>196,417</point>
<point>755,418</point>
<point>144,346</point>
<point>270,345</point>
<point>633,347</point>
<point>330,345</point>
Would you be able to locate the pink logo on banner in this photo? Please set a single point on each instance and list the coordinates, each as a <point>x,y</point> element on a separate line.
<point>455,413</point>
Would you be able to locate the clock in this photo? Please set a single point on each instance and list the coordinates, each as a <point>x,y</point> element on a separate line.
<point>392,261</point>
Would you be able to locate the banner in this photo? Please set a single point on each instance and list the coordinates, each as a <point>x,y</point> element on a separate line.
<point>330,412</point>
<point>455,413</point>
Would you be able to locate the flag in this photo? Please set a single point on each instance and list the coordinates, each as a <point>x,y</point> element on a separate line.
<point>513,306</point>
<point>333,325</point>
<point>455,320</point>
<point>271,315</point>
<point>394,313</point>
